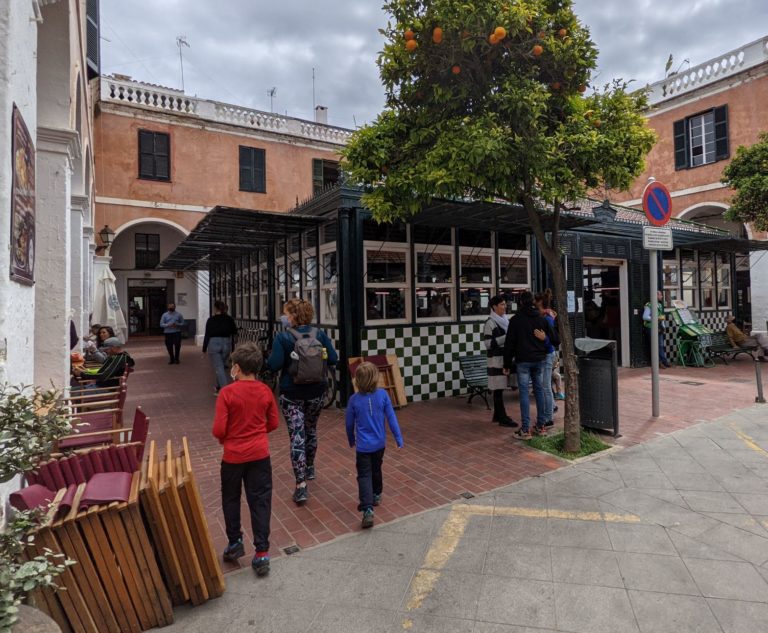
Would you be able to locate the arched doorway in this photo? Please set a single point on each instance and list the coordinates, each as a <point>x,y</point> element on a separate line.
<point>143,291</point>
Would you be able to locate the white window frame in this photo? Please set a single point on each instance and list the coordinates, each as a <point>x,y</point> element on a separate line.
<point>490,286</point>
<point>669,287</point>
<point>400,247</point>
<point>695,286</point>
<point>708,284</point>
<point>705,129</point>
<point>721,287</point>
<point>328,289</point>
<point>432,249</point>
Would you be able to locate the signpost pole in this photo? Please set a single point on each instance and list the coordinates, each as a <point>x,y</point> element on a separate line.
<point>654,272</point>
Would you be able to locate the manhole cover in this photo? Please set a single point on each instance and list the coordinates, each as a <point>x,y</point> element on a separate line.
<point>691,382</point>
<point>291,549</point>
<point>467,495</point>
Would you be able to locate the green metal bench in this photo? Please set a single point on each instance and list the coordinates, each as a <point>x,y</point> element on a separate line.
<point>721,347</point>
<point>475,370</point>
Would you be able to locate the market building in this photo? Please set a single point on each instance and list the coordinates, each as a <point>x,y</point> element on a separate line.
<point>702,114</point>
<point>164,159</point>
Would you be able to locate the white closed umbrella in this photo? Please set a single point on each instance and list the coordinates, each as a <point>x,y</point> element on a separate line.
<point>106,305</point>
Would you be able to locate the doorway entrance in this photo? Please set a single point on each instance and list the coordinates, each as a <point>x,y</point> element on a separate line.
<point>147,300</point>
<point>606,305</point>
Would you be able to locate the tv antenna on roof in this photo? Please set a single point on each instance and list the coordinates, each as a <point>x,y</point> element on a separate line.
<point>272,92</point>
<point>181,40</point>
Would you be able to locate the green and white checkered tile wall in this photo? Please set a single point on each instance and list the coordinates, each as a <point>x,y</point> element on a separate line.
<point>715,321</point>
<point>428,355</point>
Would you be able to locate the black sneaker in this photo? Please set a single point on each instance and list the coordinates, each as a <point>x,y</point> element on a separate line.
<point>508,423</point>
<point>550,423</point>
<point>233,551</point>
<point>555,409</point>
<point>367,519</point>
<point>377,500</point>
<point>310,472</point>
<point>260,565</point>
<point>300,495</point>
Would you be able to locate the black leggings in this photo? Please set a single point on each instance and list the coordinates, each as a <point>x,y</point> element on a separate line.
<point>499,412</point>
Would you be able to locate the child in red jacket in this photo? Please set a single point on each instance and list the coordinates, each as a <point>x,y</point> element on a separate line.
<point>245,412</point>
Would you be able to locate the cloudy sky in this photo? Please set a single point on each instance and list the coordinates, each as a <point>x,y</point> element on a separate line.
<point>240,49</point>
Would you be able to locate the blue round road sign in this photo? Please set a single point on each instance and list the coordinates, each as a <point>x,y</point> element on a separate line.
<point>657,204</point>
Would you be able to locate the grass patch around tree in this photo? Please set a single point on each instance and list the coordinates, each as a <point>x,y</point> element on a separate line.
<point>554,444</point>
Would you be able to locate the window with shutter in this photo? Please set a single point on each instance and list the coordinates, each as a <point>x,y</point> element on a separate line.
<point>721,133</point>
<point>681,145</point>
<point>93,41</point>
<point>253,169</point>
<point>701,139</point>
<point>154,155</point>
<point>324,174</point>
<point>147,250</point>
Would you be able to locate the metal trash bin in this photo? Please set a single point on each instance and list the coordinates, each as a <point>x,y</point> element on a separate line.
<point>598,384</point>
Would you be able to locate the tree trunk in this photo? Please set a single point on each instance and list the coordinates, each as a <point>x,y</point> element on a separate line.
<point>552,255</point>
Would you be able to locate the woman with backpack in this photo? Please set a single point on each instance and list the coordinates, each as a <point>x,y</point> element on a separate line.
<point>301,353</point>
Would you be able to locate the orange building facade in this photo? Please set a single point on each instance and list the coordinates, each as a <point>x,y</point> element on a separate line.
<point>701,116</point>
<point>163,159</point>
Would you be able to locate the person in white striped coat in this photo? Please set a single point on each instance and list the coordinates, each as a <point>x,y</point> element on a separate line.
<point>494,333</point>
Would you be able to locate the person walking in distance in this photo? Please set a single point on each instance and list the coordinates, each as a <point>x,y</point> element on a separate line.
<point>494,333</point>
<point>528,338</point>
<point>172,322</point>
<point>367,413</point>
<point>245,412</point>
<point>647,321</point>
<point>543,302</point>
<point>220,330</point>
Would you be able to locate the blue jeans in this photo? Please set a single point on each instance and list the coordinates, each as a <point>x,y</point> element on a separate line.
<point>219,349</point>
<point>546,386</point>
<point>527,372</point>
<point>662,353</point>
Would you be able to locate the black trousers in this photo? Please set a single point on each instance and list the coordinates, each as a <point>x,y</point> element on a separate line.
<point>369,478</point>
<point>173,345</point>
<point>256,476</point>
<point>499,412</point>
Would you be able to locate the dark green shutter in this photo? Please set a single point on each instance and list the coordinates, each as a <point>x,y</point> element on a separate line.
<point>680,133</point>
<point>146,154</point>
<point>246,169</point>
<point>162,156</point>
<point>93,39</point>
<point>259,171</point>
<point>721,133</point>
<point>317,175</point>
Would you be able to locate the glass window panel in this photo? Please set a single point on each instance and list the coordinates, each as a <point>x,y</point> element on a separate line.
<point>511,296</point>
<point>386,266</point>
<point>310,272</point>
<point>295,274</point>
<point>434,268</point>
<point>708,298</point>
<point>475,301</point>
<point>384,232</point>
<point>329,305</point>
<point>281,275</point>
<point>264,280</point>
<point>513,269</point>
<point>474,239</point>
<point>724,298</point>
<point>707,270</point>
<point>433,303</point>
<point>431,235</point>
<point>330,273</point>
<point>476,268</point>
<point>385,303</point>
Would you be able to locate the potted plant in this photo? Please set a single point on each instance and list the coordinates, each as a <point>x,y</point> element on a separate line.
<point>31,420</point>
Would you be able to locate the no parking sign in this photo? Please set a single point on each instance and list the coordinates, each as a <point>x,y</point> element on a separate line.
<point>657,203</point>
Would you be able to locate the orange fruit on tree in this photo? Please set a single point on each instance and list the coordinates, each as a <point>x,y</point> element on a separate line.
<point>537,50</point>
<point>542,35</point>
<point>493,39</point>
<point>411,45</point>
<point>437,35</point>
<point>596,123</point>
<point>409,35</point>
<point>456,69</point>
<point>562,32</point>
<point>500,32</point>
<point>555,85</point>
<point>582,88</point>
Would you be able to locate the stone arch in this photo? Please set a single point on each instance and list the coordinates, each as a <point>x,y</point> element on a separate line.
<point>711,213</point>
<point>136,221</point>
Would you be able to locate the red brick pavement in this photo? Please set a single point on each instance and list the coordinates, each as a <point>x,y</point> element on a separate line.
<point>449,447</point>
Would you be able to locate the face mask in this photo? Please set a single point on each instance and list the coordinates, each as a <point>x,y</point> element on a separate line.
<point>285,320</point>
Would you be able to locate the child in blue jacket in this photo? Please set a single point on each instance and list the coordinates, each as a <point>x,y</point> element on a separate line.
<point>366,413</point>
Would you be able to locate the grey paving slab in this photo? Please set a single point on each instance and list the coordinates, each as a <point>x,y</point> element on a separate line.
<point>740,617</point>
<point>754,503</point>
<point>519,530</point>
<point>584,609</point>
<point>712,502</point>
<point>741,543</point>
<point>350,619</point>
<point>455,595</point>
<point>660,613</point>
<point>578,504</point>
<point>519,560</point>
<point>694,481</point>
<point>652,572</point>
<point>489,627</point>
<point>508,499</point>
<point>470,556</point>
<point>585,567</point>
<point>640,538</point>
<point>728,579</point>
<point>741,482</point>
<point>348,548</point>
<point>410,623</point>
<point>644,479</point>
<point>573,533</point>
<point>515,601</point>
<point>278,615</point>
<point>588,485</point>
<point>742,521</point>
<point>665,494</point>
<point>425,523</point>
<point>691,548</point>
<point>391,548</point>
<point>378,585</point>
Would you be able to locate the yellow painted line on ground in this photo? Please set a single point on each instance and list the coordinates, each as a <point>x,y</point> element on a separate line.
<point>443,547</point>
<point>749,441</point>
<point>546,513</point>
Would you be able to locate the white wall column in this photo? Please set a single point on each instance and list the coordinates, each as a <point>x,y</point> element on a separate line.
<point>56,149</point>
<point>89,252</point>
<point>203,304</point>
<point>77,299</point>
<point>758,275</point>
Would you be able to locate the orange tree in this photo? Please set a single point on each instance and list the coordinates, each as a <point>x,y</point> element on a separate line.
<point>487,99</point>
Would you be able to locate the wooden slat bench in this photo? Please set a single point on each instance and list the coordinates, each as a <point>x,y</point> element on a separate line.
<point>721,348</point>
<point>475,370</point>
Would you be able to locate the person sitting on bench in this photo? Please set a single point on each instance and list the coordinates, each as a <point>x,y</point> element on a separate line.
<point>108,375</point>
<point>739,339</point>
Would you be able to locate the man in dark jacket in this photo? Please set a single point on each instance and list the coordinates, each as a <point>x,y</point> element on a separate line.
<point>526,347</point>
<point>108,375</point>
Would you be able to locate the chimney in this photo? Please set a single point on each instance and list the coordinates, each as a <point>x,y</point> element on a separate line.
<point>321,114</point>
